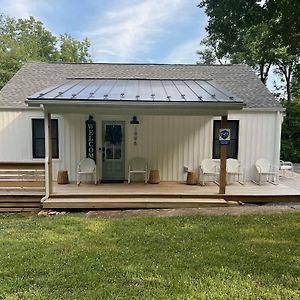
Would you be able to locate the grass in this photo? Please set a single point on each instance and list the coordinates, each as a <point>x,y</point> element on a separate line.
<point>199,257</point>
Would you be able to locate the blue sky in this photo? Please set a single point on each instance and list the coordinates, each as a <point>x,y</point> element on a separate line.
<point>150,31</point>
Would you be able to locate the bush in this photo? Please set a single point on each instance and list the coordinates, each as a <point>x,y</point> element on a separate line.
<point>290,137</point>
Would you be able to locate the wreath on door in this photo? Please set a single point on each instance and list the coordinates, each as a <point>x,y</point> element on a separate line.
<point>113,134</point>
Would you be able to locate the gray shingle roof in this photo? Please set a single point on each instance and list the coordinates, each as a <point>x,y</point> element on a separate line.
<point>237,79</point>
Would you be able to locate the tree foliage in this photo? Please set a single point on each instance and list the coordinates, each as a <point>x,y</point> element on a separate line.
<point>259,35</point>
<point>27,39</point>
<point>290,139</point>
<point>71,50</point>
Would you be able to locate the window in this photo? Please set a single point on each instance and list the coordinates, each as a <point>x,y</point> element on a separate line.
<point>38,138</point>
<point>232,149</point>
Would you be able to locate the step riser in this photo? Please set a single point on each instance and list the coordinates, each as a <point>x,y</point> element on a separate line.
<point>16,204</point>
<point>135,196</point>
<point>130,202</point>
<point>20,200</point>
<point>18,209</point>
<point>122,205</point>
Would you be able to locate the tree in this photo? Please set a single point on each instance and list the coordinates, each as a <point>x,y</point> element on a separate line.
<point>27,39</point>
<point>211,53</point>
<point>248,32</point>
<point>71,50</point>
<point>290,138</point>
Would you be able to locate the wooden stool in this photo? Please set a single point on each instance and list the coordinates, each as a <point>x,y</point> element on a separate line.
<point>62,177</point>
<point>192,178</point>
<point>154,176</point>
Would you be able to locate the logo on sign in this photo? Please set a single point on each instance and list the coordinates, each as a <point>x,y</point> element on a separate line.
<point>224,136</point>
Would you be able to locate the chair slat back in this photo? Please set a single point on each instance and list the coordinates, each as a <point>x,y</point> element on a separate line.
<point>138,164</point>
<point>232,165</point>
<point>87,165</point>
<point>263,165</point>
<point>208,166</point>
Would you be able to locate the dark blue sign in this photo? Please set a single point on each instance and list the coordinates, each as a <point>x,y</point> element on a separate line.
<point>224,136</point>
<point>90,127</point>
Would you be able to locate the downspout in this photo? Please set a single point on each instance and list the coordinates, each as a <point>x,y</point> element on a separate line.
<point>276,158</point>
<point>48,159</point>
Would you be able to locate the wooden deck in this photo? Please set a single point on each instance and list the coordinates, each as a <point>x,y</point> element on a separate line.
<point>167,195</point>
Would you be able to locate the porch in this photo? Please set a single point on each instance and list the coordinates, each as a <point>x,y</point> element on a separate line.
<point>167,194</point>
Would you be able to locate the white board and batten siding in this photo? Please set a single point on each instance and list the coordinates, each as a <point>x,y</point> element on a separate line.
<point>168,142</point>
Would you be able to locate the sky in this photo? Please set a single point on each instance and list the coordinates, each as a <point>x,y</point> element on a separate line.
<point>138,31</point>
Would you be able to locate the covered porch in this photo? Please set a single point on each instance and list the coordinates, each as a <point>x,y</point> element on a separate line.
<point>127,97</point>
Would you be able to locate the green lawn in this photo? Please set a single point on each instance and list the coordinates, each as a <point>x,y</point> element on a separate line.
<point>199,257</point>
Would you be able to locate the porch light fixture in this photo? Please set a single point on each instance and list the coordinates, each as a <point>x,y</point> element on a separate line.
<point>134,120</point>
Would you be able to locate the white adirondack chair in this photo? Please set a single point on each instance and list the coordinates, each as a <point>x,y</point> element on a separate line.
<point>265,169</point>
<point>86,167</point>
<point>233,169</point>
<point>208,168</point>
<point>138,165</point>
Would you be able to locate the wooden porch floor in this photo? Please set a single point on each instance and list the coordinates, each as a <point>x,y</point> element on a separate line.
<point>286,186</point>
<point>167,194</point>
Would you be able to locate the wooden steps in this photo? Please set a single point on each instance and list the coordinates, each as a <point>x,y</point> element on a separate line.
<point>22,186</point>
<point>19,203</point>
<point>87,202</point>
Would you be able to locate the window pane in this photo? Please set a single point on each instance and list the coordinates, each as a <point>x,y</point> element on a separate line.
<point>217,125</point>
<point>109,151</point>
<point>232,149</point>
<point>55,153</point>
<point>38,128</point>
<point>118,153</point>
<point>39,148</point>
<point>216,153</point>
<point>54,124</point>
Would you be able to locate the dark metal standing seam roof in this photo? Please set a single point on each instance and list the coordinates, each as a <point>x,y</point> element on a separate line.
<point>143,90</point>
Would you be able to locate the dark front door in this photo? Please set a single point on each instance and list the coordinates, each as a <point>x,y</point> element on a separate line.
<point>113,158</point>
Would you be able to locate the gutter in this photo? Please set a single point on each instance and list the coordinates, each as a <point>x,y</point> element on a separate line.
<point>264,109</point>
<point>19,108</point>
<point>130,103</point>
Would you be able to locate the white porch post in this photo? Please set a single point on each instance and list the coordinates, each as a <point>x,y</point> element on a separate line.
<point>48,154</point>
<point>223,157</point>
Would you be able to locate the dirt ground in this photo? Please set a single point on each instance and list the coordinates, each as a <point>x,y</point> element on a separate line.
<point>235,210</point>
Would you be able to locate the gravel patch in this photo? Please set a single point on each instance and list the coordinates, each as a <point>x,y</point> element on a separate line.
<point>247,209</point>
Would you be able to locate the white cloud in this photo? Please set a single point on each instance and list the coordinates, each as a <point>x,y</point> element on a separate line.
<point>184,53</point>
<point>129,29</point>
<point>23,8</point>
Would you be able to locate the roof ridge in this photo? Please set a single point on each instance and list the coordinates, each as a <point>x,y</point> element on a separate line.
<point>135,64</point>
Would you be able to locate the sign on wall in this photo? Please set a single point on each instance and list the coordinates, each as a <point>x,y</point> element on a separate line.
<point>90,127</point>
<point>224,136</point>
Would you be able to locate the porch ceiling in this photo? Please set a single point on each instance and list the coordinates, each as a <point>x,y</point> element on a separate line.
<point>139,96</point>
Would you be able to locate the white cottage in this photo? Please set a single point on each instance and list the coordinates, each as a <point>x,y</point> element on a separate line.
<point>168,114</point>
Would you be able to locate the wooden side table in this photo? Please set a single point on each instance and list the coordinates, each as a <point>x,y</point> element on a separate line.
<point>62,177</point>
<point>192,178</point>
<point>154,176</point>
